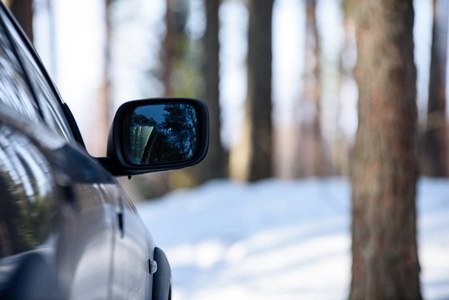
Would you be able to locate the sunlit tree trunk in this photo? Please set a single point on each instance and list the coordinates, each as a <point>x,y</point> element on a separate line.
<point>345,69</point>
<point>384,163</point>
<point>257,150</point>
<point>215,163</point>
<point>436,163</point>
<point>104,102</point>
<point>310,154</point>
<point>23,11</point>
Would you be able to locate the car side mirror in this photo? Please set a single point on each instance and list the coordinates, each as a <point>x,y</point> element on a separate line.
<point>156,135</point>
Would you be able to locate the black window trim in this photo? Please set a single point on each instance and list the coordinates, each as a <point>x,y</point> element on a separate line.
<point>73,126</point>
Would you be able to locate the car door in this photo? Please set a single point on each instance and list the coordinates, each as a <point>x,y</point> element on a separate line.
<point>52,209</point>
<point>83,251</point>
<point>28,215</point>
<point>133,251</point>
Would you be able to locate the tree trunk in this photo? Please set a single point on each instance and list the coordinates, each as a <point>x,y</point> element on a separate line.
<point>436,163</point>
<point>310,154</point>
<point>23,12</point>
<point>384,163</point>
<point>104,102</point>
<point>345,69</point>
<point>168,55</point>
<point>257,135</point>
<point>215,163</point>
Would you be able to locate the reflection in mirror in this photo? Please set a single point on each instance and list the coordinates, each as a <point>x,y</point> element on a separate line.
<point>163,133</point>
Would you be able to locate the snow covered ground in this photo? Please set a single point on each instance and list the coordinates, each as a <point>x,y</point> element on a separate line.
<point>280,240</point>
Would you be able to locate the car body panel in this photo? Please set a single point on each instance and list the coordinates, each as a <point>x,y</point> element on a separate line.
<point>133,248</point>
<point>78,217</point>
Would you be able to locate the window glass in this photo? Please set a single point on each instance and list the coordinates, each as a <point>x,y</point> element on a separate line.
<point>27,194</point>
<point>49,102</point>
<point>14,89</point>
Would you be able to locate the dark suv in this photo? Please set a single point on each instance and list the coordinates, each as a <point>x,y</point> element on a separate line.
<point>67,229</point>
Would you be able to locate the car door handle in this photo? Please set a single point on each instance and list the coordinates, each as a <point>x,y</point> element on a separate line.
<point>120,223</point>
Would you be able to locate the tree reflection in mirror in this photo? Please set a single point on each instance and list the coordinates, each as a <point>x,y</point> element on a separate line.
<point>163,133</point>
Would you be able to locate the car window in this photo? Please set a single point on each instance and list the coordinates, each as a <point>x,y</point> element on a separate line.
<point>26,194</point>
<point>47,98</point>
<point>14,89</point>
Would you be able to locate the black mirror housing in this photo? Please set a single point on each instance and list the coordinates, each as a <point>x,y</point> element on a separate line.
<point>157,134</point>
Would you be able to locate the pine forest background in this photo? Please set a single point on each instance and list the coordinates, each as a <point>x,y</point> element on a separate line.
<point>295,89</point>
<point>190,48</point>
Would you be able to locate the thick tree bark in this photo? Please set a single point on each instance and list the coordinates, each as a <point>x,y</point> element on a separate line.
<point>258,125</point>
<point>23,11</point>
<point>384,163</point>
<point>216,161</point>
<point>436,163</point>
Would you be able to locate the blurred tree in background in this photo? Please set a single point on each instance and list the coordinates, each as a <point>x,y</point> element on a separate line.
<point>168,52</point>
<point>254,158</point>
<point>435,159</point>
<point>23,11</point>
<point>181,54</point>
<point>346,63</point>
<point>311,152</point>
<point>104,103</point>
<point>215,165</point>
<point>181,73</point>
<point>385,163</point>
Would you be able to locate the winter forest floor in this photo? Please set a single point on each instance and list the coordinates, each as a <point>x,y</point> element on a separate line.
<point>280,239</point>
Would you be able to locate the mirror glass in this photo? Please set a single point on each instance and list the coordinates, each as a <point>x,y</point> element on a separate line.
<point>162,133</point>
